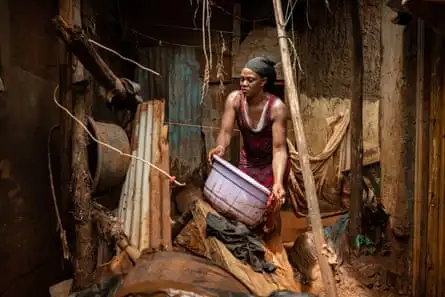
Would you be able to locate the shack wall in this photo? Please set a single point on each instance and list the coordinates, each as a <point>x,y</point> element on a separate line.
<point>323,42</point>
<point>30,243</point>
<point>429,204</point>
<point>174,47</point>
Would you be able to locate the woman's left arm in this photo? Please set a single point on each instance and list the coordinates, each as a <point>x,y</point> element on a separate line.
<point>279,133</point>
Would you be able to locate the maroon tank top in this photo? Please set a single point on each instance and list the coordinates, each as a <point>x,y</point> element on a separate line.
<point>258,144</point>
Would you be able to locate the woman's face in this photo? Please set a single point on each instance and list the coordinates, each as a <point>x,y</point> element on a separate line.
<point>251,83</point>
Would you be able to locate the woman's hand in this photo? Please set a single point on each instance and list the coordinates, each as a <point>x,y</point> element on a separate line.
<point>218,151</point>
<point>279,194</point>
<point>278,199</point>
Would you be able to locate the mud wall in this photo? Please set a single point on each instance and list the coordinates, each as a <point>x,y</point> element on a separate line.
<point>31,259</point>
<point>323,42</point>
<point>398,109</point>
<point>324,47</point>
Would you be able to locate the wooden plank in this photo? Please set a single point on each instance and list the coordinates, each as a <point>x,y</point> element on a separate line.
<point>421,169</point>
<point>308,178</point>
<point>440,261</point>
<point>356,125</point>
<point>159,212</point>
<point>433,219</point>
<point>166,235</point>
<point>65,79</point>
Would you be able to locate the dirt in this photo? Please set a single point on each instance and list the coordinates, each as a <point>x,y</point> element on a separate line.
<point>370,276</point>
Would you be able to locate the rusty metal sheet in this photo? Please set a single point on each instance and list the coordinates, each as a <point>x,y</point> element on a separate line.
<point>144,206</point>
<point>173,270</point>
<point>180,85</point>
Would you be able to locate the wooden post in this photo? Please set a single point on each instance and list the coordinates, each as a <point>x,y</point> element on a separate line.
<point>74,154</point>
<point>421,172</point>
<point>308,177</point>
<point>65,79</point>
<point>84,256</point>
<point>356,176</point>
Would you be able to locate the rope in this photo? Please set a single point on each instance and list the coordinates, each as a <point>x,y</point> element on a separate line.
<point>207,56</point>
<point>62,233</point>
<point>122,57</point>
<point>171,178</point>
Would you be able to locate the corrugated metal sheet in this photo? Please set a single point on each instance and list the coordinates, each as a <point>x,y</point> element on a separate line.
<point>212,112</point>
<point>144,207</point>
<point>180,85</point>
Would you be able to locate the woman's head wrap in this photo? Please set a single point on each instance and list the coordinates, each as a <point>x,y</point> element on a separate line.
<point>264,67</point>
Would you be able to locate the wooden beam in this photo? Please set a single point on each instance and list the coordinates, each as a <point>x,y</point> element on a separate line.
<point>65,79</point>
<point>78,43</point>
<point>85,251</point>
<point>420,171</point>
<point>308,178</point>
<point>356,124</point>
<point>84,256</point>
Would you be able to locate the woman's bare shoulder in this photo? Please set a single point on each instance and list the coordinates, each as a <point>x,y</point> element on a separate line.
<point>233,99</point>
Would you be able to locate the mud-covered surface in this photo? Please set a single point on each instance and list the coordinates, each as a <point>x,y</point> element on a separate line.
<point>382,275</point>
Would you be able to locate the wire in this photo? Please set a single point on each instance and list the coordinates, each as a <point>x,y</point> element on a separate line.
<point>171,178</point>
<point>238,17</point>
<point>191,28</point>
<point>123,58</point>
<point>161,41</point>
<point>196,126</point>
<point>291,12</point>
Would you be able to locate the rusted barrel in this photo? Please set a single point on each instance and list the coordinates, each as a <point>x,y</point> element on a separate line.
<point>107,167</point>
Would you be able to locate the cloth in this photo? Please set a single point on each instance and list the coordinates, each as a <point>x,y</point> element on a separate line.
<point>264,67</point>
<point>240,241</point>
<point>287,293</point>
<point>257,153</point>
<point>105,288</point>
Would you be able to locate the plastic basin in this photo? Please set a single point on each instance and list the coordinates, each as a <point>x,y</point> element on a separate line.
<point>234,194</point>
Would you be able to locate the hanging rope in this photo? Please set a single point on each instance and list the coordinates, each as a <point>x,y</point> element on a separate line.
<point>206,34</point>
<point>60,229</point>
<point>220,73</point>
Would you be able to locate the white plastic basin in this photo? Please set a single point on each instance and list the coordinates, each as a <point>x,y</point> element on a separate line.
<point>234,194</point>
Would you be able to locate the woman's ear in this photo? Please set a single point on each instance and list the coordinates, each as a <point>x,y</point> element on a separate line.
<point>263,82</point>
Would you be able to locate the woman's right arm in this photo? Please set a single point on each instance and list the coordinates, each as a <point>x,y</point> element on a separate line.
<point>228,120</point>
<point>227,123</point>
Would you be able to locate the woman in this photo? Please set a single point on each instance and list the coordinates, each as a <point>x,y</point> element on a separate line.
<point>261,118</point>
